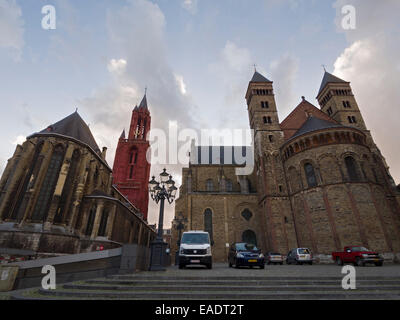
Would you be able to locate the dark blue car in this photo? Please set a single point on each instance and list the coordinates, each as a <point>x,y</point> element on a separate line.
<point>245,254</point>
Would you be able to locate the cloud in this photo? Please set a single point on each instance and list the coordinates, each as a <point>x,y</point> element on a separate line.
<point>232,69</point>
<point>117,66</point>
<point>283,73</point>
<point>19,140</point>
<point>181,84</point>
<point>371,63</point>
<point>11,26</point>
<point>190,5</point>
<point>2,165</point>
<point>137,32</point>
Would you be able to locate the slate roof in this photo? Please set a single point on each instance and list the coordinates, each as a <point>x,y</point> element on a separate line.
<point>222,155</point>
<point>257,77</point>
<point>315,124</point>
<point>73,126</point>
<point>329,78</point>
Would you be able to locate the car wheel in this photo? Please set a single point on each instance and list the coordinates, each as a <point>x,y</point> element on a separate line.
<point>339,261</point>
<point>209,266</point>
<point>181,266</point>
<point>359,262</point>
<point>310,263</point>
<point>287,261</point>
<point>281,263</point>
<point>262,266</point>
<point>230,265</point>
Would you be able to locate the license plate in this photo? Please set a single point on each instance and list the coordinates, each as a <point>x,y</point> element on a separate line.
<point>194,261</point>
<point>252,260</point>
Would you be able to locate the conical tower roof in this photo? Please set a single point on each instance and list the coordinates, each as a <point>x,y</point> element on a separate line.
<point>329,78</point>
<point>143,104</point>
<point>258,77</point>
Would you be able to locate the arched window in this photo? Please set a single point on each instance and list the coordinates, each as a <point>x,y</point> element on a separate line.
<point>209,185</point>
<point>228,185</point>
<point>90,223</point>
<point>208,223</point>
<point>22,198</point>
<point>68,189</point>
<point>103,223</point>
<point>132,161</point>
<point>249,237</point>
<point>352,169</point>
<point>48,185</point>
<point>310,175</point>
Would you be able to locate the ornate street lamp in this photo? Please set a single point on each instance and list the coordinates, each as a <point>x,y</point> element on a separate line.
<point>159,192</point>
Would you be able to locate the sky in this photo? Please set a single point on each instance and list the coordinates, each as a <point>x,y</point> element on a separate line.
<point>195,57</point>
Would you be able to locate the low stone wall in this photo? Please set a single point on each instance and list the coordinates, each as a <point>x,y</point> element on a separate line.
<point>83,266</point>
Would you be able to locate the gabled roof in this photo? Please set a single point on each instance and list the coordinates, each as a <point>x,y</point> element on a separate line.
<point>257,77</point>
<point>329,78</point>
<point>73,126</point>
<point>295,120</point>
<point>315,124</point>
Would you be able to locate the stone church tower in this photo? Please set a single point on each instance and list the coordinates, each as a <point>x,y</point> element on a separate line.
<point>131,169</point>
<point>272,189</point>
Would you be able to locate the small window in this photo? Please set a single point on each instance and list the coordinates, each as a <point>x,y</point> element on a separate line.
<point>329,111</point>
<point>228,186</point>
<point>351,169</point>
<point>310,175</point>
<point>271,138</point>
<point>209,185</point>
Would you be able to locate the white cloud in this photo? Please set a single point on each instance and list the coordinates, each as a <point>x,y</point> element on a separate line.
<point>19,140</point>
<point>2,166</point>
<point>369,62</point>
<point>137,32</point>
<point>283,73</point>
<point>11,26</point>
<point>117,66</point>
<point>190,5</point>
<point>181,84</point>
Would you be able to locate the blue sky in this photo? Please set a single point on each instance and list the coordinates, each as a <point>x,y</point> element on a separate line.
<point>195,57</point>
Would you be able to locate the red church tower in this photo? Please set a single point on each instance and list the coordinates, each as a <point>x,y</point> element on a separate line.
<point>131,171</point>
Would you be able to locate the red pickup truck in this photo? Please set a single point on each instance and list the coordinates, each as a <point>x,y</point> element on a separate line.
<point>357,255</point>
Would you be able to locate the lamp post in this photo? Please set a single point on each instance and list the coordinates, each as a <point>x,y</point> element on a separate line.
<point>159,192</point>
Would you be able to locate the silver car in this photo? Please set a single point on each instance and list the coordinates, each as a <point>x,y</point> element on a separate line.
<point>299,256</point>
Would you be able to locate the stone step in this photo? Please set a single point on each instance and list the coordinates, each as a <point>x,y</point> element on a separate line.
<point>245,278</point>
<point>226,288</point>
<point>218,295</point>
<point>225,282</point>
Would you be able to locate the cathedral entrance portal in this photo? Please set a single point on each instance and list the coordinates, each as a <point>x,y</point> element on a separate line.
<point>249,237</point>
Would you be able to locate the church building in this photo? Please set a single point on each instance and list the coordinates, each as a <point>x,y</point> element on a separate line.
<point>319,180</point>
<point>57,196</point>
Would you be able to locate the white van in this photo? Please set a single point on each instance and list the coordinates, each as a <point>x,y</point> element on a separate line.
<point>195,249</point>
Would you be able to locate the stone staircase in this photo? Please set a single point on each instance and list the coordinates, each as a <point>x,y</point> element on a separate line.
<point>143,286</point>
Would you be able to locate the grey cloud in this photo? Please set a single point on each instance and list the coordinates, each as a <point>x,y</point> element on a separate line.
<point>11,27</point>
<point>369,62</point>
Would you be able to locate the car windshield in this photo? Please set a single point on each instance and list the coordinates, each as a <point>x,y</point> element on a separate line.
<point>304,251</point>
<point>246,247</point>
<point>359,249</point>
<point>195,238</point>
